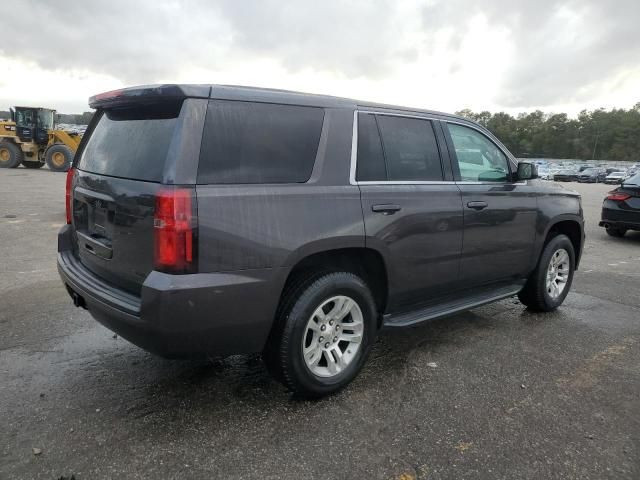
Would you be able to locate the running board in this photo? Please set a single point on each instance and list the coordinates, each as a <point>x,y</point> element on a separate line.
<point>431,312</point>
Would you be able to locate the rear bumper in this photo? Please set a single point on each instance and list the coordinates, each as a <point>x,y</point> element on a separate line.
<point>615,217</point>
<point>206,314</point>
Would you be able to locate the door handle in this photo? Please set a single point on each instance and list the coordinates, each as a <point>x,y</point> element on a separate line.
<point>477,205</point>
<point>386,209</point>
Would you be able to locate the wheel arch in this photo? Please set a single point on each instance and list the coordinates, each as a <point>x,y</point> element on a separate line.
<point>570,225</point>
<point>367,263</point>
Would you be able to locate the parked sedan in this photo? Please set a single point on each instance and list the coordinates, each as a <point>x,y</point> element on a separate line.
<point>621,208</point>
<point>615,177</point>
<point>592,175</point>
<point>566,175</point>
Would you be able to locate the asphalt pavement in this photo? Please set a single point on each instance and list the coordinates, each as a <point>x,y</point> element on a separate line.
<point>496,392</point>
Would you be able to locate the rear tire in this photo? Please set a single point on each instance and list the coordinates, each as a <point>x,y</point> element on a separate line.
<point>540,293</point>
<point>10,155</point>
<point>616,232</point>
<point>32,164</point>
<point>59,157</point>
<point>312,327</point>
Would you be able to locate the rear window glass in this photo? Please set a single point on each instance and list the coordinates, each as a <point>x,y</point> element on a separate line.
<point>247,142</point>
<point>131,142</point>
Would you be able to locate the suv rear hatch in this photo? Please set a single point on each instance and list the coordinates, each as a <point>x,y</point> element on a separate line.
<point>122,169</point>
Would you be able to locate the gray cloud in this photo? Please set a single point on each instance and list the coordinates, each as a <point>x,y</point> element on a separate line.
<point>148,40</point>
<point>557,58</point>
<point>347,38</point>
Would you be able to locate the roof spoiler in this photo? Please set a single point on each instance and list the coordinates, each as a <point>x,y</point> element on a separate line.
<point>148,94</point>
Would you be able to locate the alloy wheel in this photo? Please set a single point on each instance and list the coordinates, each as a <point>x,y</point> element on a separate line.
<point>557,273</point>
<point>333,336</point>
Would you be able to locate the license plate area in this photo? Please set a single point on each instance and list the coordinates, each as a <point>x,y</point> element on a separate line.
<point>100,221</point>
<point>94,215</point>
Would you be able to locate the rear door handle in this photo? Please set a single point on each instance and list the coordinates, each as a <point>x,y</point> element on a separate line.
<point>386,209</point>
<point>477,205</point>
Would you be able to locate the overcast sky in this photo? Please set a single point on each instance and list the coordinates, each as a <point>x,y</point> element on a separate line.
<point>512,55</point>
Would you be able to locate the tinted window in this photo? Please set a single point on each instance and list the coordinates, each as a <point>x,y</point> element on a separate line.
<point>410,148</point>
<point>479,159</point>
<point>370,164</point>
<point>131,142</point>
<point>247,142</point>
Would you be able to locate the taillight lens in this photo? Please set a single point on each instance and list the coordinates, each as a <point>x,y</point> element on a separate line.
<point>618,196</point>
<point>68,194</point>
<point>175,225</point>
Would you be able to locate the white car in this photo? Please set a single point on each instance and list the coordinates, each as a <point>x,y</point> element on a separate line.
<point>544,173</point>
<point>615,177</point>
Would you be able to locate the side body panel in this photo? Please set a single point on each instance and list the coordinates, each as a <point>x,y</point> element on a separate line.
<point>555,204</point>
<point>498,240</point>
<point>270,226</point>
<point>421,243</point>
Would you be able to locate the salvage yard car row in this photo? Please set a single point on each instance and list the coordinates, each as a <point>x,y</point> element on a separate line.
<point>586,173</point>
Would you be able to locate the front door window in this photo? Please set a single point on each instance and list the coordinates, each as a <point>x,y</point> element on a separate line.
<point>479,159</point>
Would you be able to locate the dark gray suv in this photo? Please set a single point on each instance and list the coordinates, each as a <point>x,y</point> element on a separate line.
<point>216,220</point>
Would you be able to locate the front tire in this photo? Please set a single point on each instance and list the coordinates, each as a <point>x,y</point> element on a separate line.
<point>550,282</point>
<point>10,155</point>
<point>325,326</point>
<point>59,157</point>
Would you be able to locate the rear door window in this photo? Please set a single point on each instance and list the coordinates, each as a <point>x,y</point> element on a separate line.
<point>131,142</point>
<point>410,149</point>
<point>246,142</point>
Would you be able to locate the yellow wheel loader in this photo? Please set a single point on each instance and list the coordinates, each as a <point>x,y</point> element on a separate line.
<point>30,138</point>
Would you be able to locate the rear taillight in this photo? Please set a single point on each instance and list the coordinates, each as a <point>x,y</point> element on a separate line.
<point>175,226</point>
<point>68,194</point>
<point>618,196</point>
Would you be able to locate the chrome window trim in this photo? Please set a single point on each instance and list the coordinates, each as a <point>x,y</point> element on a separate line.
<point>354,149</point>
<point>405,182</point>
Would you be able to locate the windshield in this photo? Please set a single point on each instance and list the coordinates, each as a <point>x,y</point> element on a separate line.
<point>24,118</point>
<point>589,171</point>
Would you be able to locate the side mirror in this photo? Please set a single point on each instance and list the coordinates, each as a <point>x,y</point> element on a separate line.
<point>13,114</point>
<point>527,171</point>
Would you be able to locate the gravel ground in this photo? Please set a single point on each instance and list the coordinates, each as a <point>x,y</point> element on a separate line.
<point>496,392</point>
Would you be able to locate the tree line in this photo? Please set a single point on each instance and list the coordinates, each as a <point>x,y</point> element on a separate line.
<point>597,134</point>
